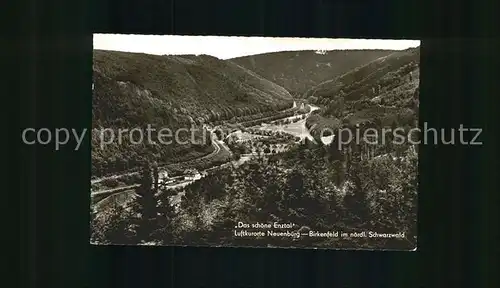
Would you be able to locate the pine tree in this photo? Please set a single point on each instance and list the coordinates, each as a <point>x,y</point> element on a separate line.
<point>337,157</point>
<point>377,122</point>
<point>156,176</point>
<point>296,191</point>
<point>394,125</point>
<point>146,201</point>
<point>355,201</point>
<point>335,149</point>
<point>165,222</point>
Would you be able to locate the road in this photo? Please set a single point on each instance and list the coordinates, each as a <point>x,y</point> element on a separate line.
<point>218,146</point>
<point>162,168</point>
<point>211,154</point>
<point>180,181</point>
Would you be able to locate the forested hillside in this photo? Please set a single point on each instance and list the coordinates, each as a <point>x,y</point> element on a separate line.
<point>132,90</point>
<point>384,90</point>
<point>297,71</point>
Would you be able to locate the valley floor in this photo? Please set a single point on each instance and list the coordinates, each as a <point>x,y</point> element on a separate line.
<point>297,129</point>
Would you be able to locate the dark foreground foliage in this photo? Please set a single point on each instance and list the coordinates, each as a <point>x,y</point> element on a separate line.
<point>321,193</point>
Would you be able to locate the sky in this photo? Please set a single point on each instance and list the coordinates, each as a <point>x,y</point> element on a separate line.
<point>226,47</point>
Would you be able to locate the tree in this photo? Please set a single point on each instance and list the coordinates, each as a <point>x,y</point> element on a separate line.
<point>382,101</point>
<point>296,191</point>
<point>114,226</point>
<point>156,176</point>
<point>395,208</point>
<point>377,122</point>
<point>218,133</point>
<point>242,149</point>
<point>335,150</point>
<point>356,200</point>
<point>111,182</point>
<point>339,172</point>
<point>164,223</point>
<point>146,200</point>
<point>225,220</point>
<point>236,155</point>
<point>416,93</point>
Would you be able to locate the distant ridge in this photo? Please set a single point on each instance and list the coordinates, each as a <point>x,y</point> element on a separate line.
<point>386,89</point>
<point>298,71</point>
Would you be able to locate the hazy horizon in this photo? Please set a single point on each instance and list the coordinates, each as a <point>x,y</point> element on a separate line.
<point>227,47</point>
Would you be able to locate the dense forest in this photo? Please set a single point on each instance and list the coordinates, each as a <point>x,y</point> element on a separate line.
<point>384,91</point>
<point>132,90</point>
<point>313,186</point>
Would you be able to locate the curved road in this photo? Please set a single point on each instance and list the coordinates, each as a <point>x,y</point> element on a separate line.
<point>213,153</point>
<point>218,145</point>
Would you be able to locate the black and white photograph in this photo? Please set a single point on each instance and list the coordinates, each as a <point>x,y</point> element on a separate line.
<point>225,141</point>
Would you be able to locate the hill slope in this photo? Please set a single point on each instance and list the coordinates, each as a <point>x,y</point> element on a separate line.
<point>196,86</point>
<point>297,71</point>
<point>385,89</point>
<point>133,90</point>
